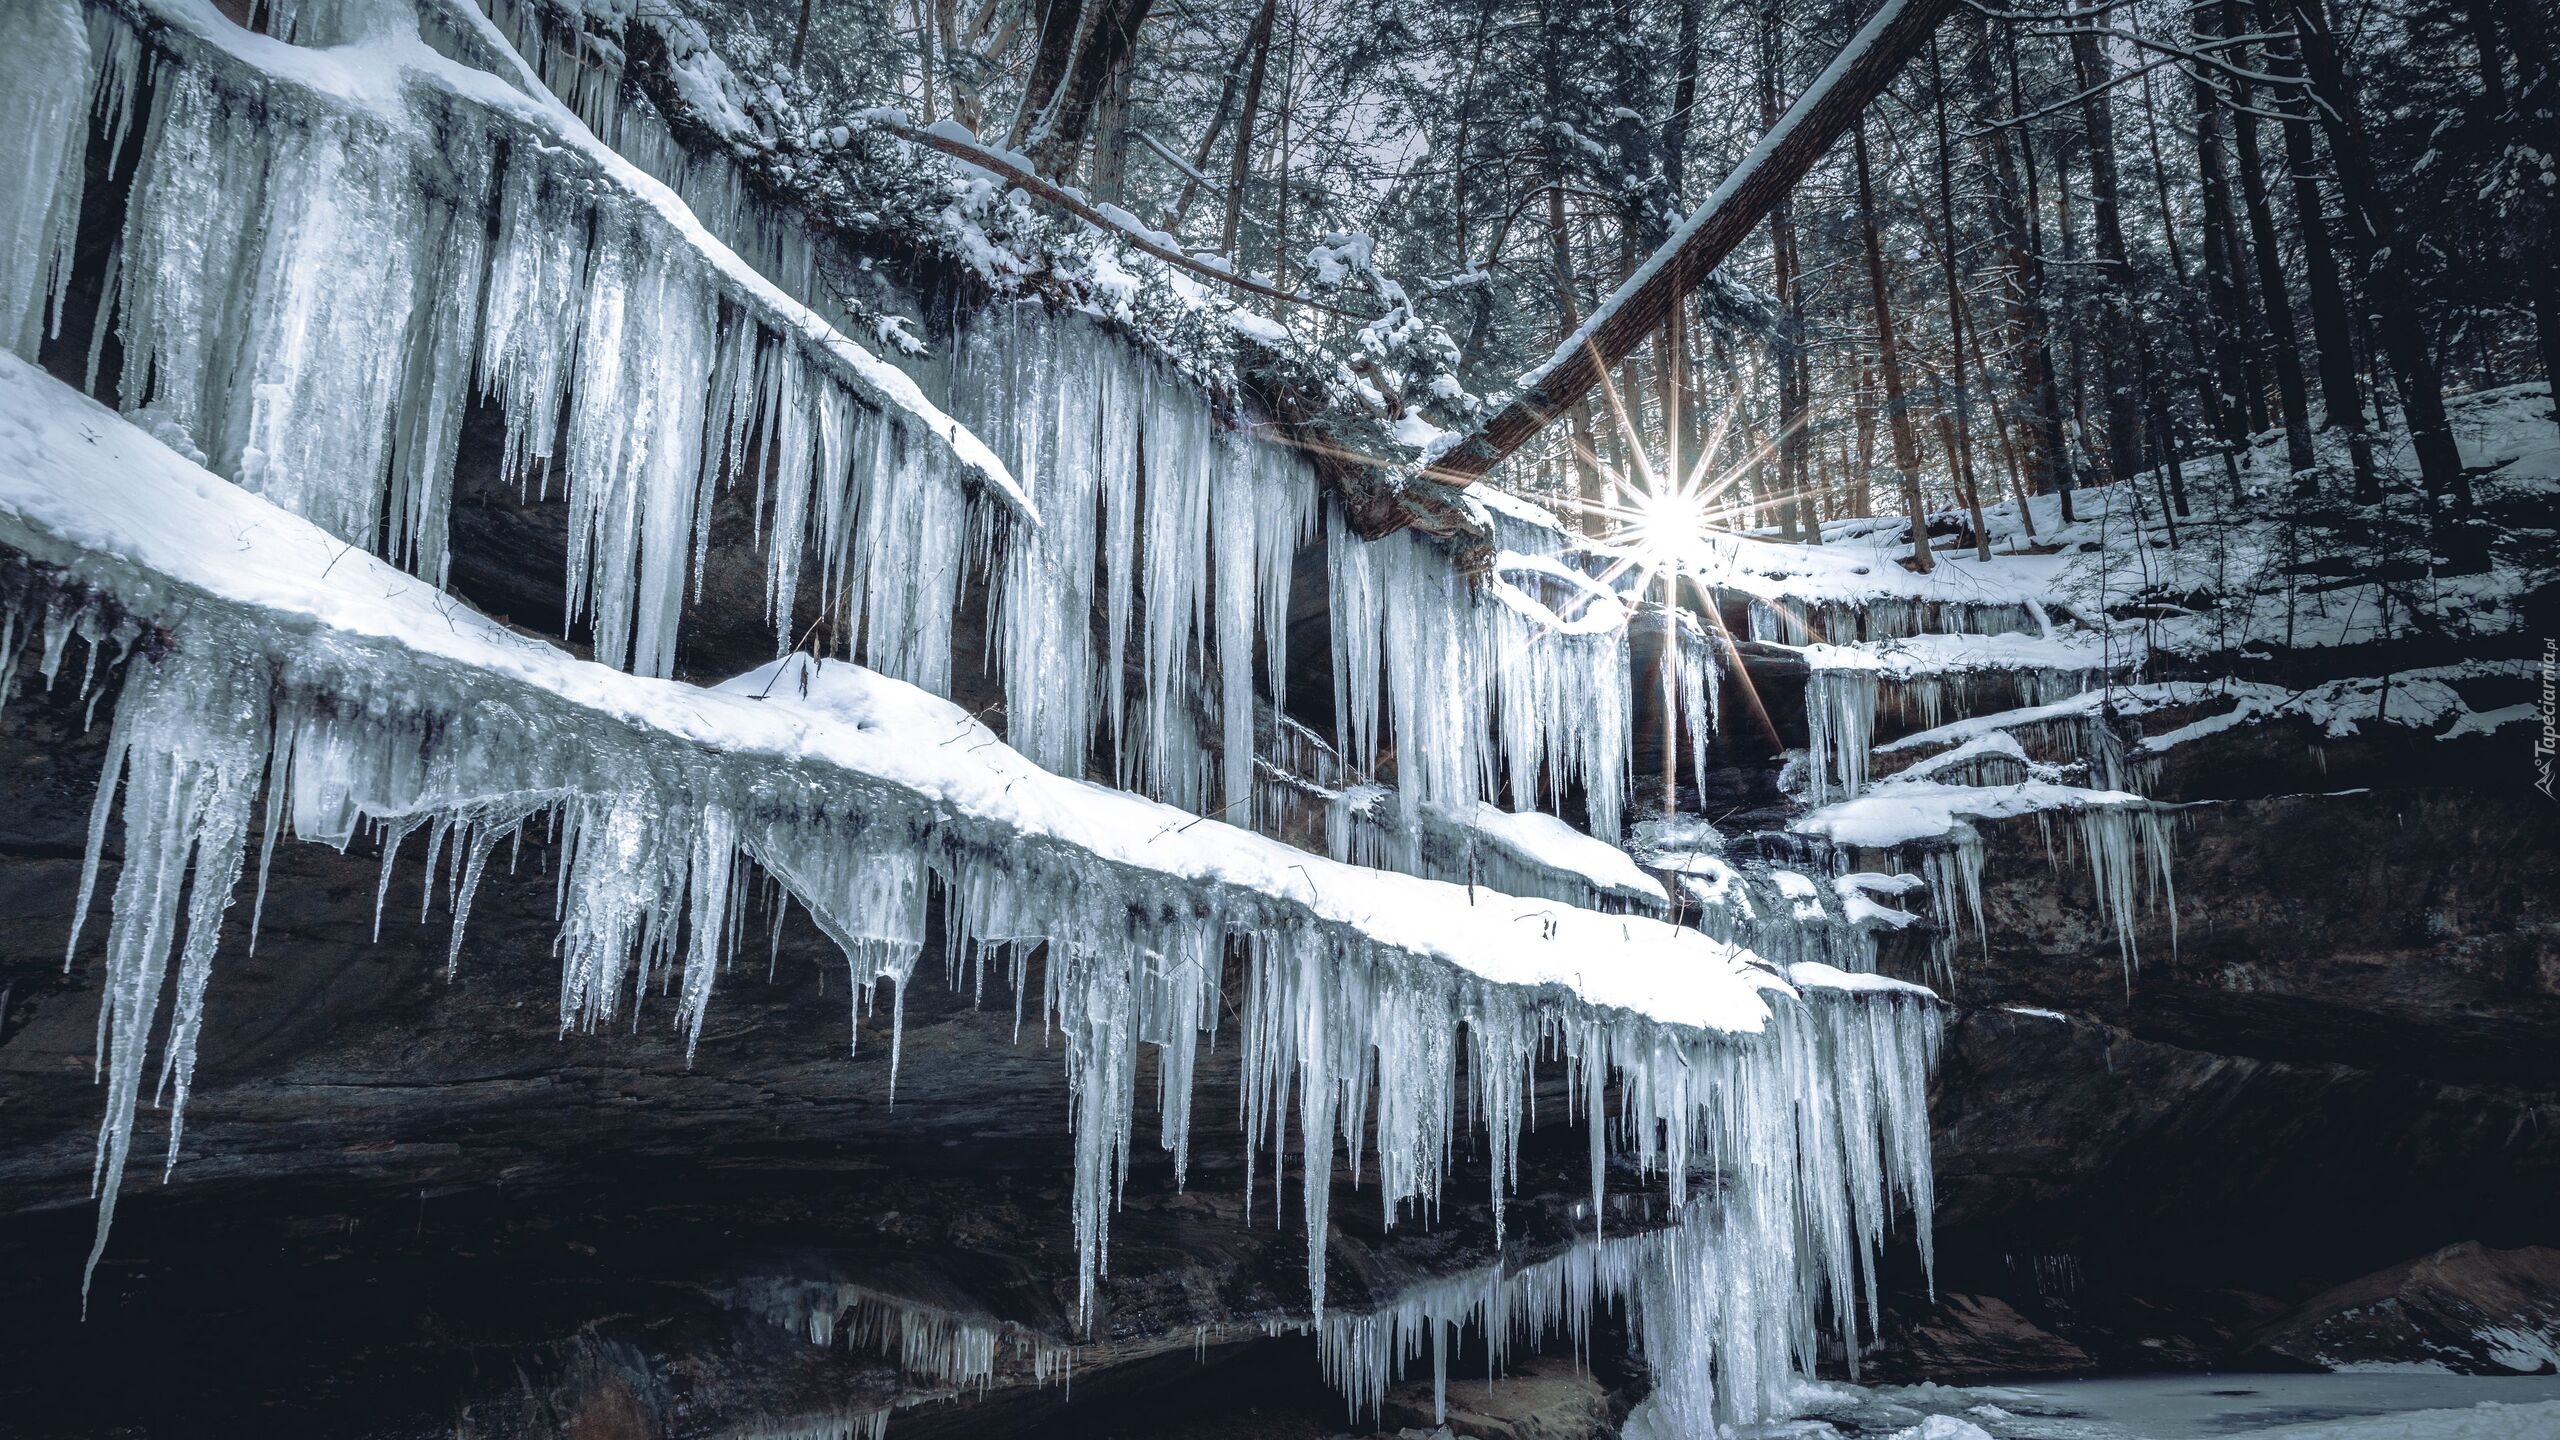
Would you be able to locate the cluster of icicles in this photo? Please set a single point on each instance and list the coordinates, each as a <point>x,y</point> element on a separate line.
<point>2126,842</point>
<point>314,280</point>
<point>927,1342</point>
<point>1723,1299</point>
<point>1810,1133</point>
<point>309,291</point>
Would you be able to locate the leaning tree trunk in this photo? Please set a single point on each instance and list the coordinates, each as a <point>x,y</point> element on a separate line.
<point>1632,314</point>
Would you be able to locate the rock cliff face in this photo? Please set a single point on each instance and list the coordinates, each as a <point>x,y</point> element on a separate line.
<point>410,1205</point>
<point>2352,1056</point>
<point>2466,1308</point>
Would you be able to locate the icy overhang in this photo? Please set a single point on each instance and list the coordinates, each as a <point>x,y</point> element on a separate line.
<point>81,488</point>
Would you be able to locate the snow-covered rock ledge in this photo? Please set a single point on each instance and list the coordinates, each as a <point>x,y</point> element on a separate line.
<point>347,691</point>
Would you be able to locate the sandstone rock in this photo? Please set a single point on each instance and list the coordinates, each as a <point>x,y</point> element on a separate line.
<point>2465,1308</point>
<point>1980,1336</point>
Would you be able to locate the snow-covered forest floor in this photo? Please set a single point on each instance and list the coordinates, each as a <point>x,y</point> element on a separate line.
<point>2055,678</point>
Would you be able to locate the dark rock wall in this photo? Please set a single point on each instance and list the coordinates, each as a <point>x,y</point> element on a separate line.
<point>2350,1057</point>
<point>408,1204</point>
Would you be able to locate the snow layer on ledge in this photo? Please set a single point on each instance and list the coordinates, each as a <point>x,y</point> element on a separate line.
<point>1905,813</point>
<point>126,498</point>
<point>353,694</point>
<point>1545,840</point>
<point>1918,656</point>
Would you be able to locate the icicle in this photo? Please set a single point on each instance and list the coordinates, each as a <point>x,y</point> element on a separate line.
<point>1238,590</point>
<point>1093,1007</point>
<point>1840,727</point>
<point>45,102</point>
<point>189,742</point>
<point>1179,456</point>
<point>2119,840</point>
<point>645,350</point>
<point>532,314</point>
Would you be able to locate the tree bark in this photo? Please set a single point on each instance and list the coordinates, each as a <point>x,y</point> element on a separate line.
<point>2038,417</point>
<point>2223,296</point>
<point>1080,47</point>
<point>2124,328</point>
<point>2537,100</point>
<point>1684,99</point>
<point>1240,166</point>
<point>2274,294</point>
<point>1906,443</point>
<point>2332,334</point>
<point>1111,136</point>
<point>1793,385</point>
<point>1209,138</point>
<point>2388,253</point>
<point>1960,450</point>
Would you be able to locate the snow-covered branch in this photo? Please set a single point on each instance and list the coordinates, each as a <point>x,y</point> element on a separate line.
<point>1015,170</point>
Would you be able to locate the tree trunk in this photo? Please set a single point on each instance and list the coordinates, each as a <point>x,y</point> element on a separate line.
<point>1794,386</point>
<point>1209,138</point>
<point>1240,168</point>
<point>1061,31</point>
<point>2388,257</point>
<point>2124,327</point>
<point>2223,296</point>
<point>2039,416</point>
<point>1111,136</point>
<point>2332,333</point>
<point>1106,37</point>
<point>1631,316</point>
<point>1862,500</point>
<point>1961,451</point>
<point>1684,98</point>
<point>2273,293</point>
<point>1906,443</point>
<point>2538,101</point>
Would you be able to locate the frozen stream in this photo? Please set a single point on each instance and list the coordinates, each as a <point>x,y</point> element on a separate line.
<point>2380,1406</point>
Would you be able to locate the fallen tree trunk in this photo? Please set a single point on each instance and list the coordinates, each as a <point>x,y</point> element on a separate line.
<point>1639,307</point>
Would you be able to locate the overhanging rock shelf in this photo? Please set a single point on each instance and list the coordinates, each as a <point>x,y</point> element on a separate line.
<point>296,680</point>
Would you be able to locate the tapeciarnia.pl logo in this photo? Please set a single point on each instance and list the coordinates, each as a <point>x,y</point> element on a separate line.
<point>2548,741</point>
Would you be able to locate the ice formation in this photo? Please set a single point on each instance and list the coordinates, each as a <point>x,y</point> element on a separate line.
<point>1871,618</point>
<point>307,303</point>
<point>1138,482</point>
<point>1913,683</point>
<point>387,231</point>
<point>1726,1298</point>
<point>928,1342</point>
<point>1468,692</point>
<point>329,685</point>
<point>2126,841</point>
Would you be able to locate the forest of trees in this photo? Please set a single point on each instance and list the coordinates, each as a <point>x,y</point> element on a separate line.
<point>2066,244</point>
